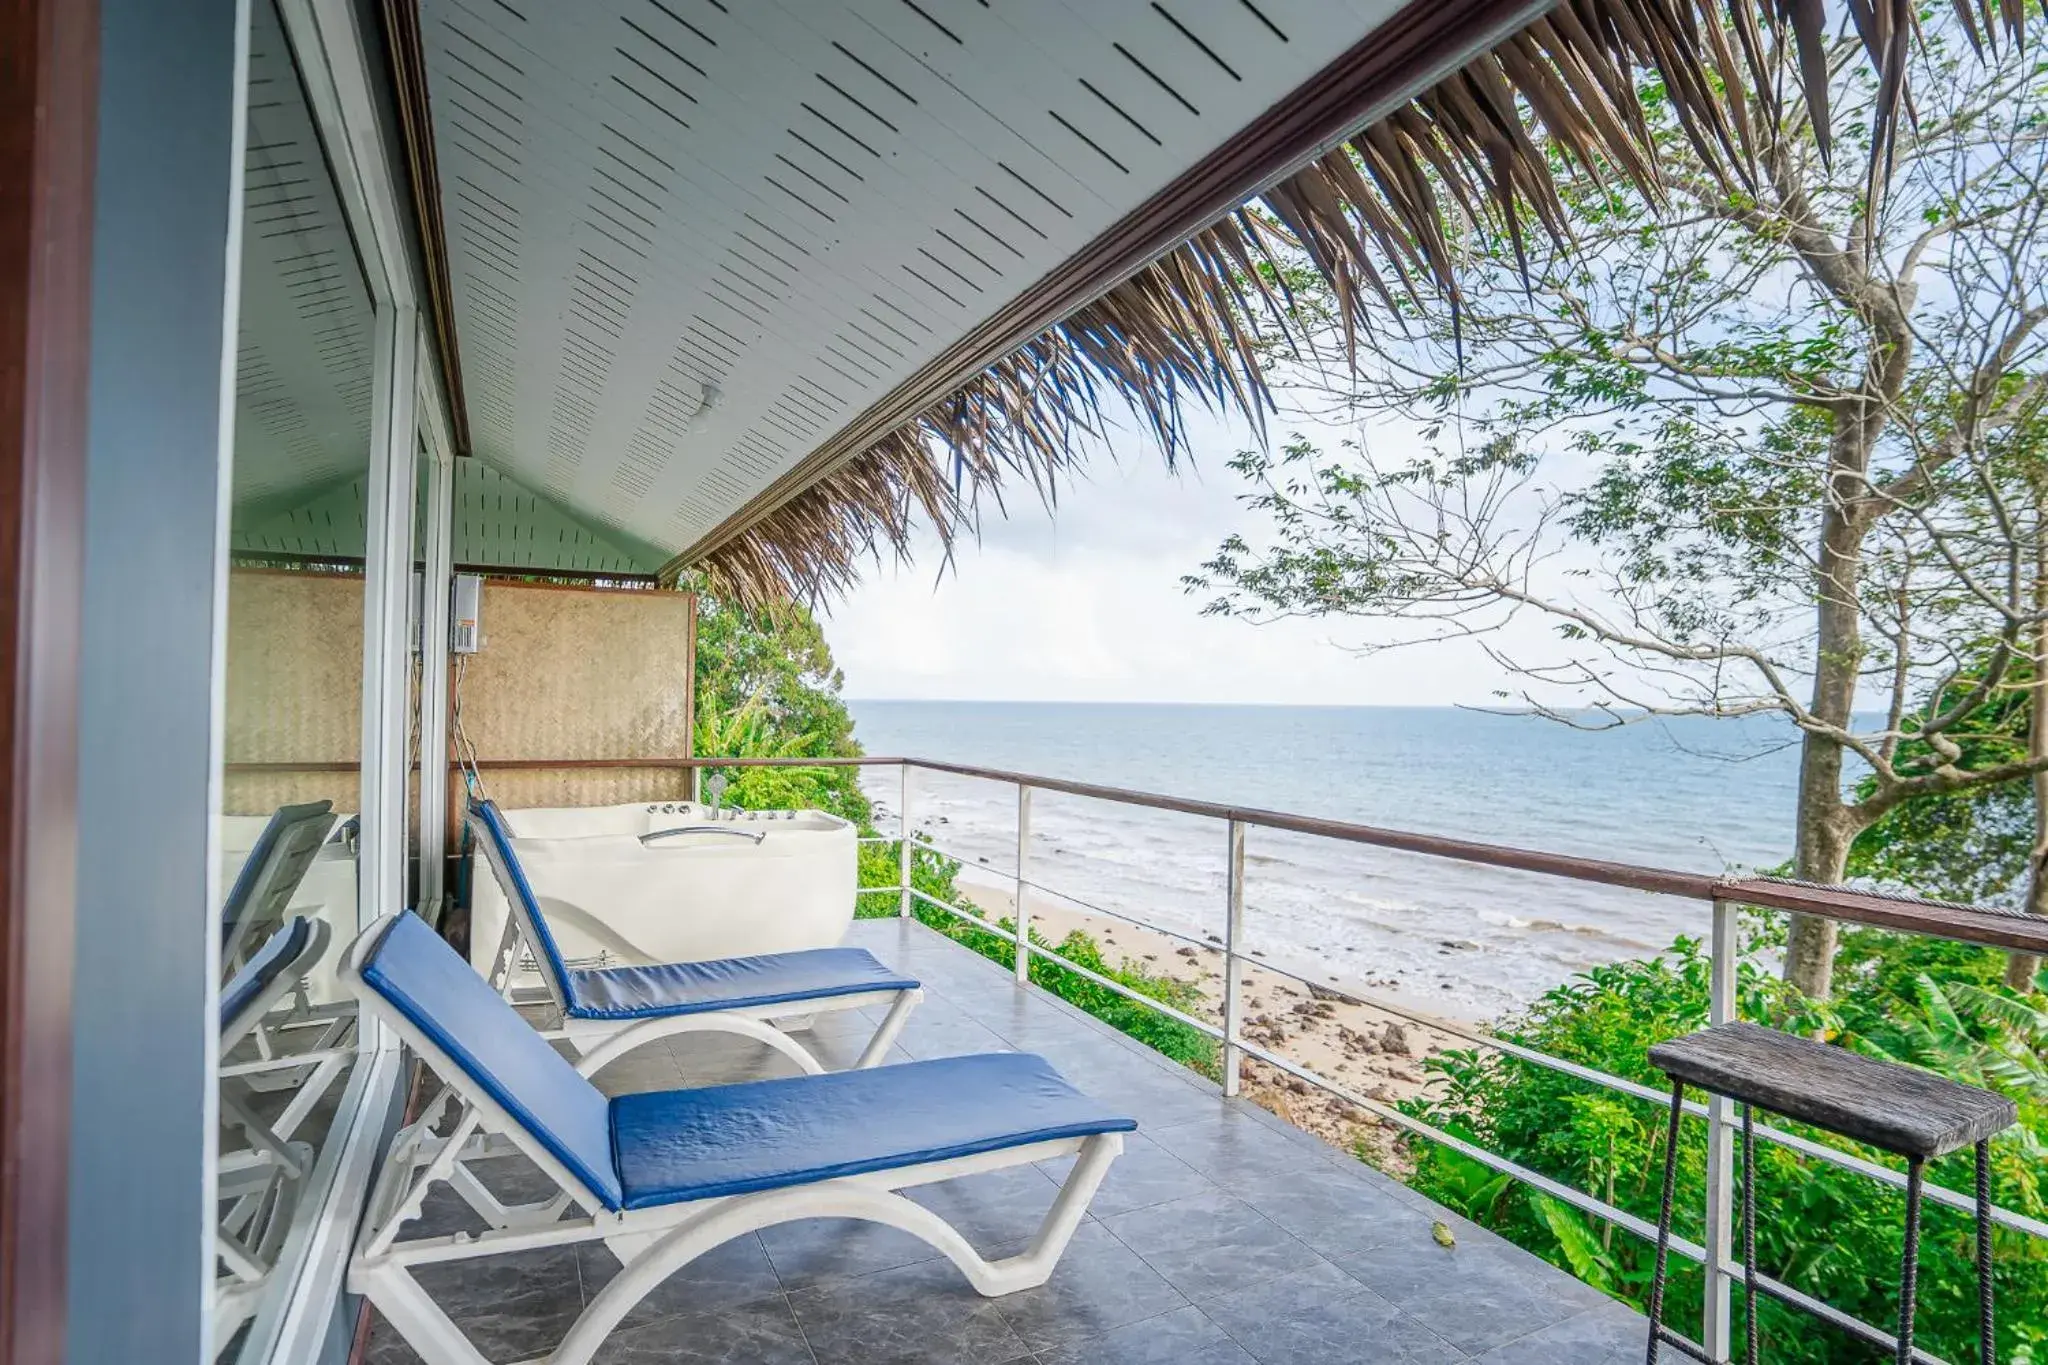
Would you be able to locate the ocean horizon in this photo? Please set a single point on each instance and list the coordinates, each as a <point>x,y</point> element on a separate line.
<point>1694,794</point>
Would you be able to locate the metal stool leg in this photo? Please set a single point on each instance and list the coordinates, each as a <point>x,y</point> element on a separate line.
<point>1753,1354</point>
<point>1987,1336</point>
<point>1664,1220</point>
<point>1910,1272</point>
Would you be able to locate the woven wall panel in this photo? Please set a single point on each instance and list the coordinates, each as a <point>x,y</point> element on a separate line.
<point>565,673</point>
<point>295,667</point>
<point>518,789</point>
<point>294,687</point>
<point>262,793</point>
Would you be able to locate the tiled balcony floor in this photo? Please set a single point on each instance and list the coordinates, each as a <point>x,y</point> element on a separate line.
<point>1222,1236</point>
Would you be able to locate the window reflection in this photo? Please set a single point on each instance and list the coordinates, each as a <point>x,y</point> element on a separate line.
<point>289,836</point>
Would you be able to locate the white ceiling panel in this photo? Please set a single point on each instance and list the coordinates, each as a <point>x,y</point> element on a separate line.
<point>304,340</point>
<point>796,203</point>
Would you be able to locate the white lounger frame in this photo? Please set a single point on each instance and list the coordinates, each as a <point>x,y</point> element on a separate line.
<point>600,1042</point>
<point>259,1183</point>
<point>651,1244</point>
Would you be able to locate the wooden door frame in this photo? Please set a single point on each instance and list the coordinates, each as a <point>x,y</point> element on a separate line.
<point>49,60</point>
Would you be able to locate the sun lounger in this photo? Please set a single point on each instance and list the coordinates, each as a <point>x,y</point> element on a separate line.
<point>258,1184</point>
<point>664,1177</point>
<point>271,875</point>
<point>617,1009</point>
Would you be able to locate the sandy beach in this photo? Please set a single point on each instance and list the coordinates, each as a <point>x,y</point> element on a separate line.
<point>1367,1050</point>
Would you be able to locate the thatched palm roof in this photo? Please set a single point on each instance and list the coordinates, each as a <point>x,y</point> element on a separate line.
<point>1377,216</point>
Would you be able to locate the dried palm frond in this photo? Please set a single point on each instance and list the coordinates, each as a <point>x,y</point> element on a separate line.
<point>1379,217</point>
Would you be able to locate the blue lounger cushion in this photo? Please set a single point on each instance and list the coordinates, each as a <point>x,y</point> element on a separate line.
<point>678,1145</point>
<point>259,972</point>
<point>646,1150</point>
<point>428,982</point>
<point>728,984</point>
<point>679,988</point>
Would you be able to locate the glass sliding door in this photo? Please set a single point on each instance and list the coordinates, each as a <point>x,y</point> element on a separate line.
<point>291,832</point>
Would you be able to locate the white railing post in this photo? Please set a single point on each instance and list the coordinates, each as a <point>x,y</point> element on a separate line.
<point>903,837</point>
<point>1233,930</point>
<point>1716,1332</point>
<point>1023,849</point>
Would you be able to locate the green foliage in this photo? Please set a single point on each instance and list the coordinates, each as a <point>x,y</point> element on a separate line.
<point>1829,1232</point>
<point>767,687</point>
<point>1970,845</point>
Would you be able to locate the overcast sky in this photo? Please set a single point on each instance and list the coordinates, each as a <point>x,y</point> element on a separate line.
<point>1087,605</point>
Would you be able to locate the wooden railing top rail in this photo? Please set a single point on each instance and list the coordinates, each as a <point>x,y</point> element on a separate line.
<point>1940,919</point>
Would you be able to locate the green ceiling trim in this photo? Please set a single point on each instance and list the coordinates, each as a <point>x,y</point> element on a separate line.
<point>503,523</point>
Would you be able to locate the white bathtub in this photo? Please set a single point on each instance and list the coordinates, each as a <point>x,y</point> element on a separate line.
<point>735,884</point>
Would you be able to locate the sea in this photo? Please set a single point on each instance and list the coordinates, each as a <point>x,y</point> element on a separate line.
<point>1459,939</point>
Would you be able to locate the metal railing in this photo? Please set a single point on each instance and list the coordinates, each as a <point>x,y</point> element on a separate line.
<point>1726,896</point>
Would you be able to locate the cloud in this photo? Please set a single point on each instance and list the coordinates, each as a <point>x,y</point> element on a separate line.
<point>1086,605</point>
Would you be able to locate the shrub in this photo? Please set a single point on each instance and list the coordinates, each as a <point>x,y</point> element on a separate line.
<point>1832,1233</point>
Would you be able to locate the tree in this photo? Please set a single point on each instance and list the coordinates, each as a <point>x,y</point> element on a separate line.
<point>1760,449</point>
<point>767,687</point>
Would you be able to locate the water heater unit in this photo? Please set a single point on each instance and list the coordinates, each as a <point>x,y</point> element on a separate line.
<point>465,634</point>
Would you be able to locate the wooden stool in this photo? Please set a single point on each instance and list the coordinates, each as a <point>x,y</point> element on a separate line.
<point>1900,1109</point>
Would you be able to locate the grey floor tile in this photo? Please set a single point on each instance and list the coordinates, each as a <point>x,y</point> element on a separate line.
<point>1333,1209</point>
<point>924,1314</point>
<point>1322,1318</point>
<point>1099,1285</point>
<point>385,1346</point>
<point>948,1037</point>
<point>816,1251</point>
<point>1215,1216</point>
<point>1478,1297</point>
<point>1613,1334</point>
<point>738,1272</point>
<point>764,1332</point>
<point>1208,1243</point>
<point>1227,1146</point>
<point>1145,1174</point>
<point>512,1306</point>
<point>650,1067</point>
<point>1182,1337</point>
<point>993,1208</point>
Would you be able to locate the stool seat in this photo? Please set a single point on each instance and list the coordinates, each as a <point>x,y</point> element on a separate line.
<point>1901,1109</point>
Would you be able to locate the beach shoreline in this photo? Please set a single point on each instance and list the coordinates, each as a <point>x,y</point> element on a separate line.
<point>1366,1049</point>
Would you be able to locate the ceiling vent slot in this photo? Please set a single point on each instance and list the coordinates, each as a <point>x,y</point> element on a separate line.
<point>1052,203</point>
<point>921,13</point>
<point>871,339</point>
<point>824,155</point>
<point>949,269</point>
<point>1156,79</point>
<point>860,366</point>
<point>839,128</point>
<point>988,233</point>
<point>891,328</point>
<point>856,102</point>
<point>799,198</point>
<point>1225,67</point>
<point>1091,143</point>
<point>968,251</point>
<point>805,173</point>
<point>751,278</point>
<point>748,265</point>
<point>936,289</point>
<point>721,292</point>
<point>1120,112</point>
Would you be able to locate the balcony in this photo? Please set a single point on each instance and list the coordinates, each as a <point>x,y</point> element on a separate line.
<point>1222,1236</point>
